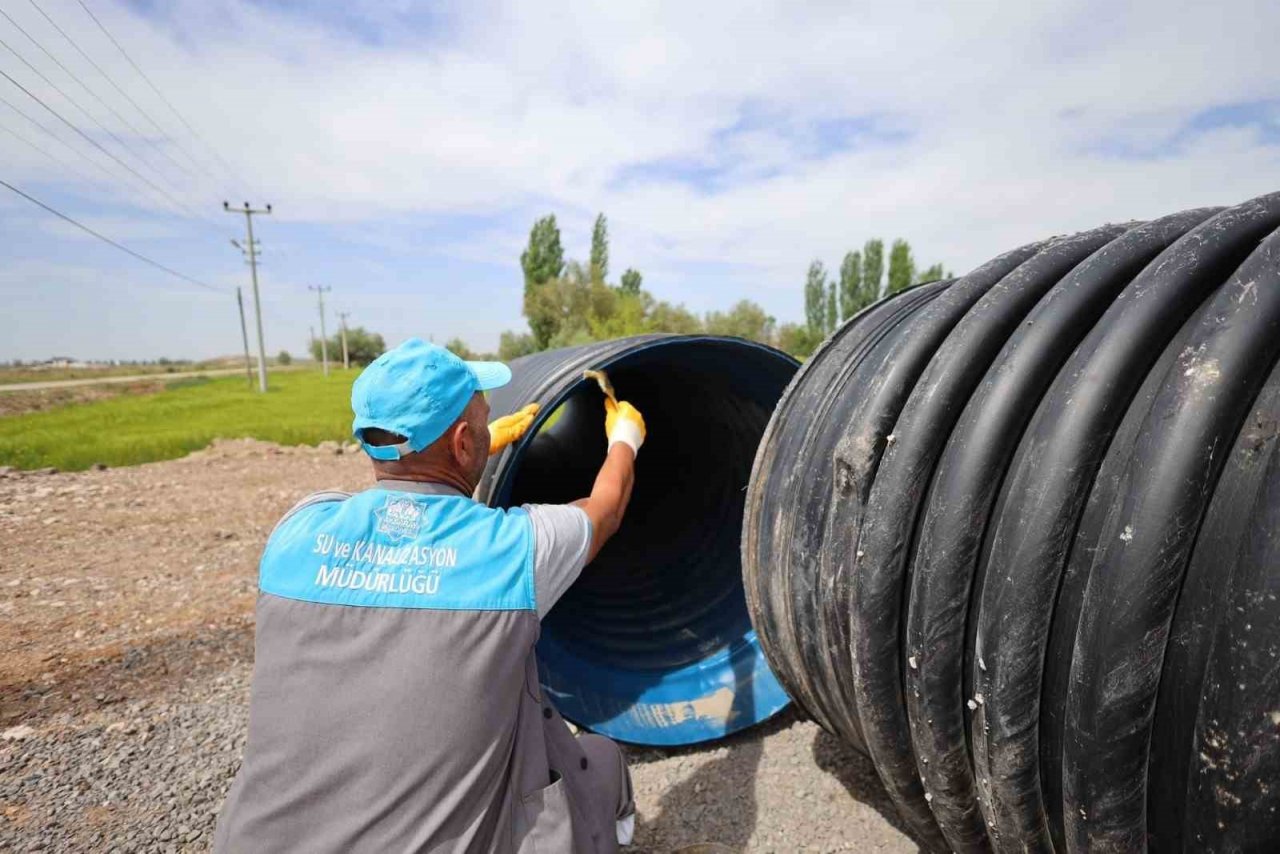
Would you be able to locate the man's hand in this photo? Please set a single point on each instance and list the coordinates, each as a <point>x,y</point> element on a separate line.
<point>510,428</point>
<point>623,423</point>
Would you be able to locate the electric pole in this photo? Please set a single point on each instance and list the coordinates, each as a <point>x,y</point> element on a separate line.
<point>324,342</point>
<point>346,359</point>
<point>252,252</point>
<point>244,334</point>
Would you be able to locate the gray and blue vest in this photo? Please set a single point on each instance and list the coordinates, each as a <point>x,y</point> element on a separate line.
<point>395,704</point>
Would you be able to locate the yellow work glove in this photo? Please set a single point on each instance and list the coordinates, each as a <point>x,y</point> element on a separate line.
<point>623,423</point>
<point>509,428</point>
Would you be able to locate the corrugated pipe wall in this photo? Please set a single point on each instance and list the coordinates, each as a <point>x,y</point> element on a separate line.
<point>1017,537</point>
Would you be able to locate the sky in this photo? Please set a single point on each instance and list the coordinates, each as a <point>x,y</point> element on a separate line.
<point>406,149</point>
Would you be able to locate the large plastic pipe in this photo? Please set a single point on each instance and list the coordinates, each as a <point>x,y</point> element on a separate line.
<point>984,510</point>
<point>881,552</point>
<point>1143,553</point>
<point>1215,585</point>
<point>1239,684</point>
<point>966,482</point>
<point>1046,491</point>
<point>653,644</point>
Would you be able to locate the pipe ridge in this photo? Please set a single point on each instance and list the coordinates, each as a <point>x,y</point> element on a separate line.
<point>1150,536</point>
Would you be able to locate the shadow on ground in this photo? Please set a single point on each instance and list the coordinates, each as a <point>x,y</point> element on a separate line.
<point>858,775</point>
<point>714,804</point>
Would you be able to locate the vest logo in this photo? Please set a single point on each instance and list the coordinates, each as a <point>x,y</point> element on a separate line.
<point>400,518</point>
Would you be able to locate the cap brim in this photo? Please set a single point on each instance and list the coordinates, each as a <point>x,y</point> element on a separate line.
<point>490,375</point>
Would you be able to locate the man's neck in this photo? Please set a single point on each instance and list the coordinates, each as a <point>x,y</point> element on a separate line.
<point>446,479</point>
<point>420,487</point>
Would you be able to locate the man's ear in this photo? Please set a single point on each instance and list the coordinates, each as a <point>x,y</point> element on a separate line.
<point>459,441</point>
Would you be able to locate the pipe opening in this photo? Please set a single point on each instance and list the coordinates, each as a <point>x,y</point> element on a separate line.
<point>662,605</point>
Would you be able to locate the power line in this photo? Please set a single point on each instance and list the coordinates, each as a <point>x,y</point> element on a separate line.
<point>97,164</point>
<point>76,151</point>
<point>91,140</point>
<point>105,239</point>
<point>51,155</point>
<point>93,119</point>
<point>95,95</point>
<point>231,170</point>
<point>105,76</point>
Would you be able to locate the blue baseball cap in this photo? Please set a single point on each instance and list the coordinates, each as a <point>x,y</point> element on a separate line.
<point>418,390</point>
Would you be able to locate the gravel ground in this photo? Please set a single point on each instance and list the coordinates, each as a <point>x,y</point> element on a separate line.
<point>126,647</point>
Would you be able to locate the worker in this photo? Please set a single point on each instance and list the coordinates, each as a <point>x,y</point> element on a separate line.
<point>395,704</point>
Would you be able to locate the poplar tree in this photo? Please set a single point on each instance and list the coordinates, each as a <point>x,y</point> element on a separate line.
<point>850,285</point>
<point>902,268</point>
<point>631,282</point>
<point>833,307</point>
<point>600,249</point>
<point>873,265</point>
<point>931,274</point>
<point>815,300</point>
<point>543,259</point>
<point>543,265</point>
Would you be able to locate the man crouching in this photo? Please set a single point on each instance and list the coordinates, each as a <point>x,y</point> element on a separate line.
<point>395,704</point>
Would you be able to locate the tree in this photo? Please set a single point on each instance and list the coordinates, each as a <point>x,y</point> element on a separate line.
<point>363,346</point>
<point>284,358</point>
<point>902,267</point>
<point>625,314</point>
<point>542,262</point>
<point>665,317</point>
<point>873,265</point>
<point>744,320</point>
<point>795,339</point>
<point>568,303</point>
<point>631,282</point>
<point>600,249</point>
<point>459,348</point>
<point>513,345</point>
<point>561,311</point>
<point>815,299</point>
<point>544,306</point>
<point>932,274</point>
<point>544,258</point>
<point>850,285</point>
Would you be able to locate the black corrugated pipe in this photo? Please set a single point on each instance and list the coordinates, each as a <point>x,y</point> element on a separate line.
<point>1014,536</point>
<point>653,644</point>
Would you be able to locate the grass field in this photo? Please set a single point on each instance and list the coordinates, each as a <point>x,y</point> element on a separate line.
<point>301,407</point>
<point>44,375</point>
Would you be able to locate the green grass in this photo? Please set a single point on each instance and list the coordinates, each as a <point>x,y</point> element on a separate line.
<point>300,407</point>
<point>42,375</point>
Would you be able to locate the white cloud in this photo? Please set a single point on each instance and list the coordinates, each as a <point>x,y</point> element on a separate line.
<point>1002,113</point>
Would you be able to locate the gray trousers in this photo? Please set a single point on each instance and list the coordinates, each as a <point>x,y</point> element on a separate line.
<point>609,773</point>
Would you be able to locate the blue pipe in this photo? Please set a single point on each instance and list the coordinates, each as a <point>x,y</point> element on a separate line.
<point>653,644</point>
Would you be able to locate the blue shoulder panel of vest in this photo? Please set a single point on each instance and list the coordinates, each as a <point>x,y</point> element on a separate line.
<point>386,549</point>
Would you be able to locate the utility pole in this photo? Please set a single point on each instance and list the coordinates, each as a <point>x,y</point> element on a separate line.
<point>324,342</point>
<point>244,334</point>
<point>346,359</point>
<point>252,252</point>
